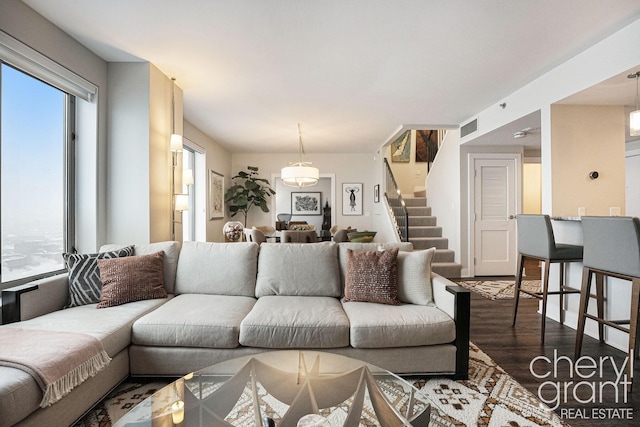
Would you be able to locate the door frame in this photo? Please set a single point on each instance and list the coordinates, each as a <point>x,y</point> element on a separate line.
<point>471,201</point>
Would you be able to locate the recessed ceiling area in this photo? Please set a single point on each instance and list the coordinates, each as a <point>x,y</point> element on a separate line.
<point>351,72</point>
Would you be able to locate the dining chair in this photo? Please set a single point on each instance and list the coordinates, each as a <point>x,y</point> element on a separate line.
<point>536,241</point>
<point>255,235</point>
<point>611,249</point>
<point>293,236</point>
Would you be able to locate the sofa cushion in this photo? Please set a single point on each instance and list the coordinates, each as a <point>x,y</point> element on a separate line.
<point>406,325</point>
<point>217,268</point>
<point>85,286</point>
<point>112,326</point>
<point>295,322</point>
<point>414,276</point>
<point>131,279</point>
<point>343,246</point>
<point>190,320</point>
<point>305,269</point>
<point>372,276</point>
<point>171,251</point>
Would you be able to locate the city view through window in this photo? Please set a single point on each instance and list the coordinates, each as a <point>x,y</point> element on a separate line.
<point>32,221</point>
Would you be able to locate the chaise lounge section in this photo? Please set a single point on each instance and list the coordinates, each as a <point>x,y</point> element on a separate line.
<point>226,300</point>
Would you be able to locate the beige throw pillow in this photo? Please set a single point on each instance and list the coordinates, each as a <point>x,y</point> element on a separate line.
<point>414,277</point>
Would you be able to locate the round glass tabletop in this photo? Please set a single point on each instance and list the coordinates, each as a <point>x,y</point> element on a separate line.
<point>281,388</point>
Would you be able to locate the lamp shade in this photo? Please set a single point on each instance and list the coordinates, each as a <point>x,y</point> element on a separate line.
<point>634,123</point>
<point>176,142</point>
<point>182,202</point>
<point>300,175</point>
<point>187,177</point>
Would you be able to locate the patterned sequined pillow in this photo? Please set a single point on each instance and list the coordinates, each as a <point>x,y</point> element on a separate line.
<point>84,277</point>
<point>131,279</point>
<point>372,276</point>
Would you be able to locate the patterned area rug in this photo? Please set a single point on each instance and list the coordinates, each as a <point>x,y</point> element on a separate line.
<point>490,397</point>
<point>499,289</point>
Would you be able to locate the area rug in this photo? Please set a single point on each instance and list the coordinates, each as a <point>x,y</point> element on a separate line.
<point>499,289</point>
<point>490,397</point>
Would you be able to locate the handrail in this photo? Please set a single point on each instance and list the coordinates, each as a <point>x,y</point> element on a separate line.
<point>397,206</point>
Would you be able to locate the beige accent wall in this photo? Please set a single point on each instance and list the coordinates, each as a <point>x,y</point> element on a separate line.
<point>531,188</point>
<point>411,174</point>
<point>586,139</point>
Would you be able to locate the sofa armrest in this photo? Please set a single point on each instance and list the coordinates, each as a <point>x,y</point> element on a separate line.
<point>35,298</point>
<point>456,302</point>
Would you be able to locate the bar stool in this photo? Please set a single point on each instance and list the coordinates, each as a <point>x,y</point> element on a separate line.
<point>611,248</point>
<point>536,241</point>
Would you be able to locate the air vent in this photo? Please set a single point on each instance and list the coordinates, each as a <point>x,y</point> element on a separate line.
<point>469,128</point>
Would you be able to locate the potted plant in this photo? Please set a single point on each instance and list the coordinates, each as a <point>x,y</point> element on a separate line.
<point>247,191</point>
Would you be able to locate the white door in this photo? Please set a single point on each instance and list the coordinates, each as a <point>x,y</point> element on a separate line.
<point>495,204</point>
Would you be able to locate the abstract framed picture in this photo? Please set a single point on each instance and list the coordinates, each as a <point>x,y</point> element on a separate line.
<point>351,198</point>
<point>401,148</point>
<point>306,203</point>
<point>376,193</point>
<point>216,195</point>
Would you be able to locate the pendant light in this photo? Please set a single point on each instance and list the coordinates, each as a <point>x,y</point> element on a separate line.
<point>175,143</point>
<point>300,174</point>
<point>634,117</point>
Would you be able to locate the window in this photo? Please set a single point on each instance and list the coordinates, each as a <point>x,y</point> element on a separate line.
<point>194,219</point>
<point>36,217</point>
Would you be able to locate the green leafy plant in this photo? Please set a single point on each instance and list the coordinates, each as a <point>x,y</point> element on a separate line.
<point>247,191</point>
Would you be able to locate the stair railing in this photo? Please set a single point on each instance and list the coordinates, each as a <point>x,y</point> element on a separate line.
<point>397,206</point>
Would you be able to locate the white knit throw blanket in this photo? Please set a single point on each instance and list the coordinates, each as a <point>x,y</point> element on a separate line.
<point>58,361</point>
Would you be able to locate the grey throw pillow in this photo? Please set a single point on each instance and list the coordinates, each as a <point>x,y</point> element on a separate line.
<point>85,286</point>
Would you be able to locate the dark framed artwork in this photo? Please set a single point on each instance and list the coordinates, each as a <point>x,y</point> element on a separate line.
<point>401,148</point>
<point>306,203</point>
<point>216,195</point>
<point>351,198</point>
<point>376,193</point>
<point>427,142</point>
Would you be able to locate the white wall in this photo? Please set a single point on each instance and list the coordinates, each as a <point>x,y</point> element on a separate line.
<point>444,176</point>
<point>139,160</point>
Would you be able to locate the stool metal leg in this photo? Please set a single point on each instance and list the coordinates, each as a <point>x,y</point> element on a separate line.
<point>633,325</point>
<point>582,309</point>
<point>600,304</point>
<point>561,289</point>
<point>516,291</point>
<point>545,297</point>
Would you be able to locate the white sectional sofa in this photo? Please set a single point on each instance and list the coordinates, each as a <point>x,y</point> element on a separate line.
<point>227,300</point>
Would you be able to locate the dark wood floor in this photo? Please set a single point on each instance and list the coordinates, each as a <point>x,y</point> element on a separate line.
<point>514,348</point>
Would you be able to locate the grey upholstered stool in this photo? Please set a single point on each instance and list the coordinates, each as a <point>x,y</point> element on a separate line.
<point>611,248</point>
<point>536,241</point>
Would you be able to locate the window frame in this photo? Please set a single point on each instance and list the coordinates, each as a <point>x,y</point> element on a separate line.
<point>69,174</point>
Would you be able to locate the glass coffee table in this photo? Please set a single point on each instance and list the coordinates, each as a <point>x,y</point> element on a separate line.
<point>281,388</point>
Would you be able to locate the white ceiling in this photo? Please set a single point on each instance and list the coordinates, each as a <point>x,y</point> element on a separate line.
<point>350,71</point>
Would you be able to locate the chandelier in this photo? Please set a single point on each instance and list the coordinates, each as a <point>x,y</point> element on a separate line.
<point>300,174</point>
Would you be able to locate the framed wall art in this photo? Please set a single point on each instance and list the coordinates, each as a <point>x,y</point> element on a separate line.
<point>216,195</point>
<point>401,148</point>
<point>306,203</point>
<point>376,193</point>
<point>351,198</point>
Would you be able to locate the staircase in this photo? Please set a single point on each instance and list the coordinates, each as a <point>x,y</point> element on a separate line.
<point>424,233</point>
